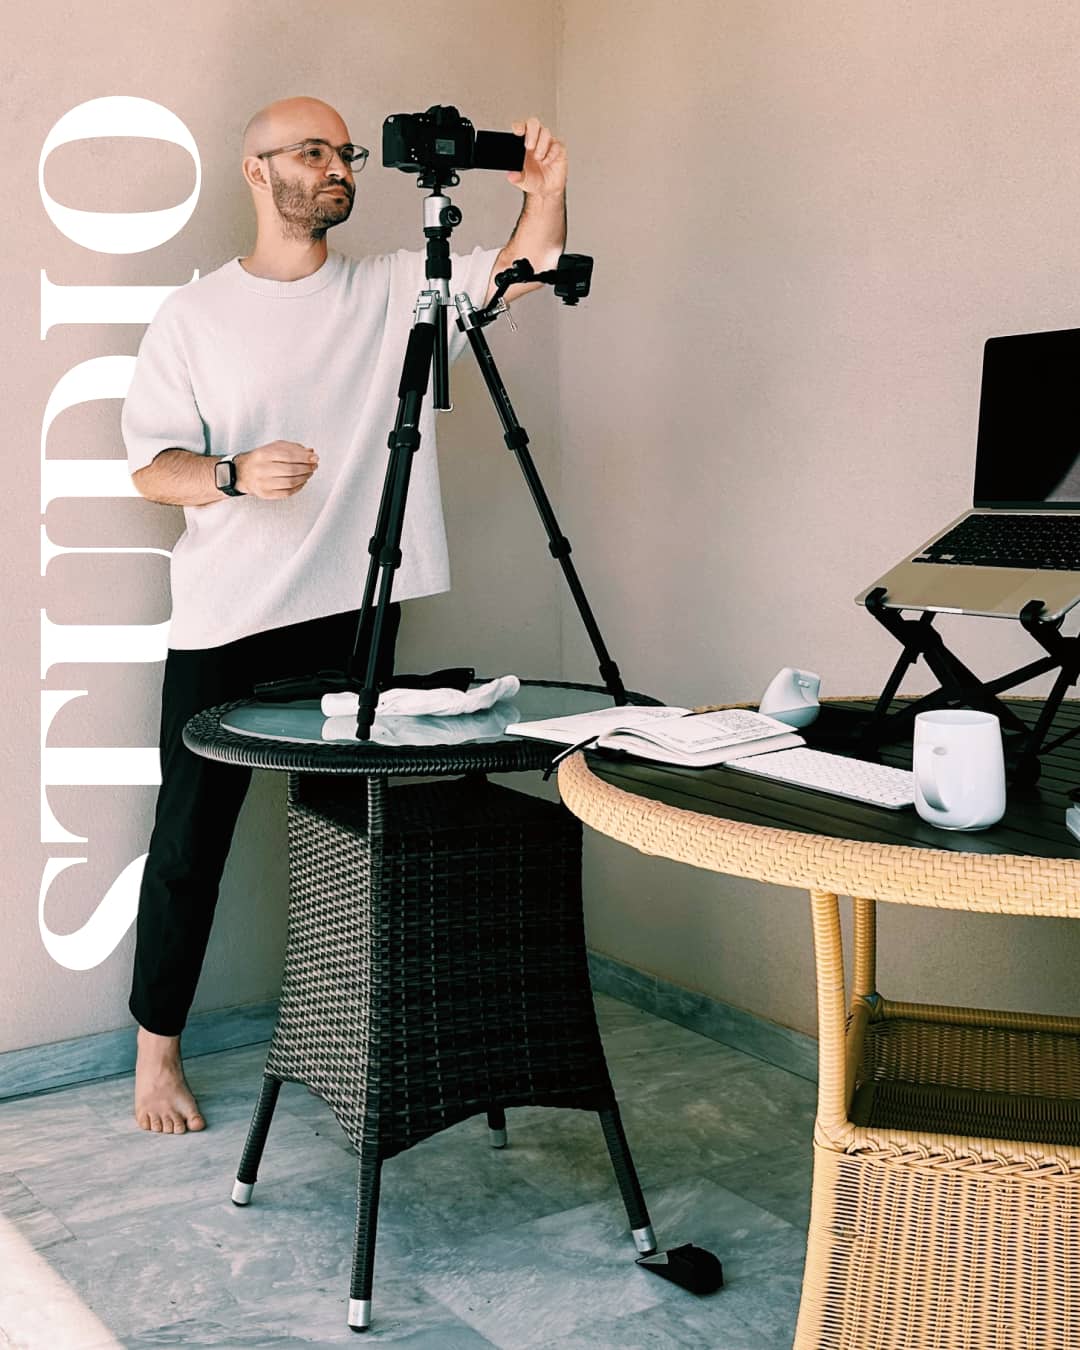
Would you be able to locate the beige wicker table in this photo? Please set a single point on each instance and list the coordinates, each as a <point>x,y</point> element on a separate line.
<point>946,1196</point>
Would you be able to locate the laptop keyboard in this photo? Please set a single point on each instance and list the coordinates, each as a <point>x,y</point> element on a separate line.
<point>1048,543</point>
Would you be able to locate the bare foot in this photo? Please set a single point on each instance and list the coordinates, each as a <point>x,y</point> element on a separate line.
<point>163,1100</point>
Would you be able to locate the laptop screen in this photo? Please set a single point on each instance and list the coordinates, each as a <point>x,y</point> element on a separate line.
<point>1029,421</point>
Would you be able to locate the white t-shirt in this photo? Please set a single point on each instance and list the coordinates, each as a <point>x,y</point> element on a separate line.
<point>234,361</point>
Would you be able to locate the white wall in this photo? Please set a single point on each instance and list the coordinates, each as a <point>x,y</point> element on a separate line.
<point>807,219</point>
<point>213,65</point>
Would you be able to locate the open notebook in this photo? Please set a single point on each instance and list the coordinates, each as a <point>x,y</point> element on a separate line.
<point>669,735</point>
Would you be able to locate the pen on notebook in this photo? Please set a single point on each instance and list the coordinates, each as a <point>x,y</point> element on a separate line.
<point>570,749</point>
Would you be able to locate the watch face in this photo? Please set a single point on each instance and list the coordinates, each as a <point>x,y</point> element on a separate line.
<point>225,473</point>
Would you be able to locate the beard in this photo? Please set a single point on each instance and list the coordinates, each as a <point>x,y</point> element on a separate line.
<point>307,213</point>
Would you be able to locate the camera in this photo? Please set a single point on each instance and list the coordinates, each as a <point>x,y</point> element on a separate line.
<point>440,141</point>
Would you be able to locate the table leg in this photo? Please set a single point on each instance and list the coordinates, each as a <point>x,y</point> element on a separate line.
<point>248,1172</point>
<point>832,1015</point>
<point>496,1119</point>
<point>864,973</point>
<point>369,1176</point>
<point>835,1084</point>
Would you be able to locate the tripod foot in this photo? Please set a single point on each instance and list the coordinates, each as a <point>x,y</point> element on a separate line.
<point>645,1239</point>
<point>241,1192</point>
<point>359,1314</point>
<point>688,1266</point>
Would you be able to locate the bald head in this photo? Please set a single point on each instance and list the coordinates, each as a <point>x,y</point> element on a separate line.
<point>295,199</point>
<point>290,120</point>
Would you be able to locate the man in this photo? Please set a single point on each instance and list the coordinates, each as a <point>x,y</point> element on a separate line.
<point>260,403</point>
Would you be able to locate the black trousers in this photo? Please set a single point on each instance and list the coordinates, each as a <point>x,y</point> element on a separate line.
<point>200,799</point>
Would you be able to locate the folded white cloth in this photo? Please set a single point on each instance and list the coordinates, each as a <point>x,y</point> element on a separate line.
<point>482,726</point>
<point>426,702</point>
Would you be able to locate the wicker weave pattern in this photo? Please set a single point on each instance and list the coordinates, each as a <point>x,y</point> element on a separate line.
<point>435,969</point>
<point>442,971</point>
<point>1037,1056</point>
<point>925,1259</point>
<point>993,883</point>
<point>946,1201</point>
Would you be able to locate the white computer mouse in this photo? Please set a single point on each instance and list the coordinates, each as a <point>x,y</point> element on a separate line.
<point>792,697</point>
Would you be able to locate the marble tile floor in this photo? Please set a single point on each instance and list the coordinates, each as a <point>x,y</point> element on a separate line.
<point>134,1238</point>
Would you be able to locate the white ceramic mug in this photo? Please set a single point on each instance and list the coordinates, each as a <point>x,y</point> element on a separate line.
<point>959,769</point>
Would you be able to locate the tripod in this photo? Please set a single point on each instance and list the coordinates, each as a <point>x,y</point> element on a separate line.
<point>426,354</point>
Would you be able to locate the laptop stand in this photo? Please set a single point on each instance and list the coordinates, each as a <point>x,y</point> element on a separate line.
<point>961,688</point>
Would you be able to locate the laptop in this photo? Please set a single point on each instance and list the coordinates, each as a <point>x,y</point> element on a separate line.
<point>1021,540</point>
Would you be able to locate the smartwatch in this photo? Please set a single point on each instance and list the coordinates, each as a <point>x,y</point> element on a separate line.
<point>225,476</point>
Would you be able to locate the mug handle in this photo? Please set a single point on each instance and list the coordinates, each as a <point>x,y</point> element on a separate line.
<point>928,780</point>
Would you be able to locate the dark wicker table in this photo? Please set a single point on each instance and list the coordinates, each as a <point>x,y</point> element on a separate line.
<point>435,965</point>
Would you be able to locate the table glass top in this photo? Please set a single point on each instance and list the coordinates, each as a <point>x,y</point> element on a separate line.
<point>303,722</point>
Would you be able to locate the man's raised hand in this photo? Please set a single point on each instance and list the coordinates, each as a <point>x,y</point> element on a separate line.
<point>544,172</point>
<point>279,469</point>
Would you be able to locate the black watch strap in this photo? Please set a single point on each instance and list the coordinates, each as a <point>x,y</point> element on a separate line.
<point>225,476</point>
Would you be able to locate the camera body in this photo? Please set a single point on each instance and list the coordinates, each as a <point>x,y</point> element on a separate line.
<point>440,141</point>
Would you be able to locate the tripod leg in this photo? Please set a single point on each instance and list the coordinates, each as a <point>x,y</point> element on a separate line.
<point>388,561</point>
<point>385,545</point>
<point>626,1176</point>
<point>362,641</point>
<point>517,440</point>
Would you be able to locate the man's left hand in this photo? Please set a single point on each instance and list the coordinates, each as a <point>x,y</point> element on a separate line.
<point>544,171</point>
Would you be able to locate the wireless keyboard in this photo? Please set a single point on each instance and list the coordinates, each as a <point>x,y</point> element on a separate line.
<point>874,784</point>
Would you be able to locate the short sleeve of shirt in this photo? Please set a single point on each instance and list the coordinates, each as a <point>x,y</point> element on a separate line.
<point>160,412</point>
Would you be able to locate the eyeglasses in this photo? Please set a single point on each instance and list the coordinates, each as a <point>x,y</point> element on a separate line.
<point>318,154</point>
